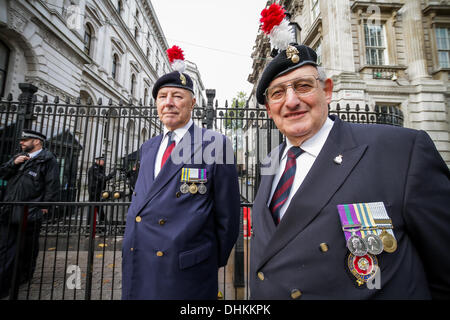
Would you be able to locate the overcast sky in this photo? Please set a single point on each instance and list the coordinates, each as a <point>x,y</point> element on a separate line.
<point>217,35</point>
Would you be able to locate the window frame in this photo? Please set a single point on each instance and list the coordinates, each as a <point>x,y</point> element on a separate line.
<point>88,44</point>
<point>4,71</point>
<point>438,50</point>
<point>383,46</point>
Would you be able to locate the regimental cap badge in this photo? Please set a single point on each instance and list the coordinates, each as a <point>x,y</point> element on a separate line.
<point>183,79</point>
<point>292,53</point>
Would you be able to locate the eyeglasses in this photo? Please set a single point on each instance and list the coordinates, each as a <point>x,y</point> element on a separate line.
<point>302,86</point>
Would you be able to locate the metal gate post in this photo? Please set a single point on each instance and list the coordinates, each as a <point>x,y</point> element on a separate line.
<point>25,111</point>
<point>210,95</point>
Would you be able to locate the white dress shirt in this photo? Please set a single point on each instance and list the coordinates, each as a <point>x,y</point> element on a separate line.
<point>305,161</point>
<point>34,154</point>
<point>176,136</point>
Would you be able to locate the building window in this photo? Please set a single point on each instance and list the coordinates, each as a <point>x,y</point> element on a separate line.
<point>87,39</point>
<point>315,9</point>
<point>115,66</point>
<point>375,45</point>
<point>148,52</point>
<point>133,85</point>
<point>137,14</point>
<point>443,46</point>
<point>145,96</point>
<point>4,58</point>
<point>136,33</point>
<point>119,6</point>
<point>318,50</point>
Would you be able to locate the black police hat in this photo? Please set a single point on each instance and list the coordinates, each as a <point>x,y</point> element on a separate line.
<point>287,60</point>
<point>173,79</point>
<point>100,158</point>
<point>31,134</point>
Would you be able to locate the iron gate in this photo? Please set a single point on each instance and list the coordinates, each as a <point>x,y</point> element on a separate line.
<point>75,260</point>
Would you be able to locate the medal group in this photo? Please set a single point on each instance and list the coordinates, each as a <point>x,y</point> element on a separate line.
<point>193,176</point>
<point>368,232</point>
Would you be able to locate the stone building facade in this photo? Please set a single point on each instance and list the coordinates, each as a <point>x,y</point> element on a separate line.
<point>378,53</point>
<point>109,49</point>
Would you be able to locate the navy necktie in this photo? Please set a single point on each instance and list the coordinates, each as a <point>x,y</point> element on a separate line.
<point>284,186</point>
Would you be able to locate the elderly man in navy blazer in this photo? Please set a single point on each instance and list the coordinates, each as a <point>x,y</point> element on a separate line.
<point>345,211</point>
<point>184,217</point>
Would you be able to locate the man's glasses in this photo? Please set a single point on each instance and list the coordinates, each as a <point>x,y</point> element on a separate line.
<point>302,86</point>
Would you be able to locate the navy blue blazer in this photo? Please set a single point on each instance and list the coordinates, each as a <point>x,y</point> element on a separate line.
<point>400,167</point>
<point>174,243</point>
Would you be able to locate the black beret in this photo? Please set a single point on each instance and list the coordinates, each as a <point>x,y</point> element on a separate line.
<point>296,56</point>
<point>100,158</point>
<point>31,134</point>
<point>173,79</point>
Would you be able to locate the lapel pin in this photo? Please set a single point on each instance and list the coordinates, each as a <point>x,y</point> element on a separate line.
<point>338,159</point>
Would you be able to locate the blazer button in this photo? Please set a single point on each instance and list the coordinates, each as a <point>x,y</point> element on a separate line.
<point>138,219</point>
<point>295,294</point>
<point>178,194</point>
<point>159,253</point>
<point>261,276</point>
<point>161,222</point>
<point>134,192</point>
<point>131,249</point>
<point>323,247</point>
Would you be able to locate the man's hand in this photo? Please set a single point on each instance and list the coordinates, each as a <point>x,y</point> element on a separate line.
<point>21,159</point>
<point>44,211</point>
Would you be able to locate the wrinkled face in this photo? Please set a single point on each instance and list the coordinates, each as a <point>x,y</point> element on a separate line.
<point>174,106</point>
<point>30,145</point>
<point>299,117</point>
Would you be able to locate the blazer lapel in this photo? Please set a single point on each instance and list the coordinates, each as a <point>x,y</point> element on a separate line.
<point>149,160</point>
<point>321,183</point>
<point>268,171</point>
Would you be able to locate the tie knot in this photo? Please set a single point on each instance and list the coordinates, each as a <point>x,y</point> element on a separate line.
<point>294,152</point>
<point>170,134</point>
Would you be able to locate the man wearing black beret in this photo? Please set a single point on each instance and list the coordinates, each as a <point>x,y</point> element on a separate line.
<point>184,216</point>
<point>32,175</point>
<point>344,211</point>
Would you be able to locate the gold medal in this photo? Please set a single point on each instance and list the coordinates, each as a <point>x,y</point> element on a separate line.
<point>389,242</point>
<point>193,188</point>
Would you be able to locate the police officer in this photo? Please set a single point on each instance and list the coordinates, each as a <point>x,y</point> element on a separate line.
<point>32,175</point>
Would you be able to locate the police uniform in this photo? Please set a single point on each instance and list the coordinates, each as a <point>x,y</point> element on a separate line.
<point>176,238</point>
<point>35,180</point>
<point>306,256</point>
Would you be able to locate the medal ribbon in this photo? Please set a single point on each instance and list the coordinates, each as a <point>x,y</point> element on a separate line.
<point>381,217</point>
<point>193,174</point>
<point>348,218</point>
<point>364,214</point>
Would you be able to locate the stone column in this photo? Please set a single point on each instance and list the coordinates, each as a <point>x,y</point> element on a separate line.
<point>337,47</point>
<point>414,39</point>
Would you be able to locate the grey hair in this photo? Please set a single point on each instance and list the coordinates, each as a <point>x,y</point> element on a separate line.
<point>321,74</point>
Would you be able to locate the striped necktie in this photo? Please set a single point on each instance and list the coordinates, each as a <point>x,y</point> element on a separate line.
<point>169,148</point>
<point>283,188</point>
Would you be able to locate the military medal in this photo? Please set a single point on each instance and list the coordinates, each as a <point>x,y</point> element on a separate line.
<point>368,227</point>
<point>352,230</point>
<point>389,242</point>
<point>193,188</point>
<point>184,188</point>
<point>202,188</point>
<point>193,175</point>
<point>384,225</point>
<point>362,267</point>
